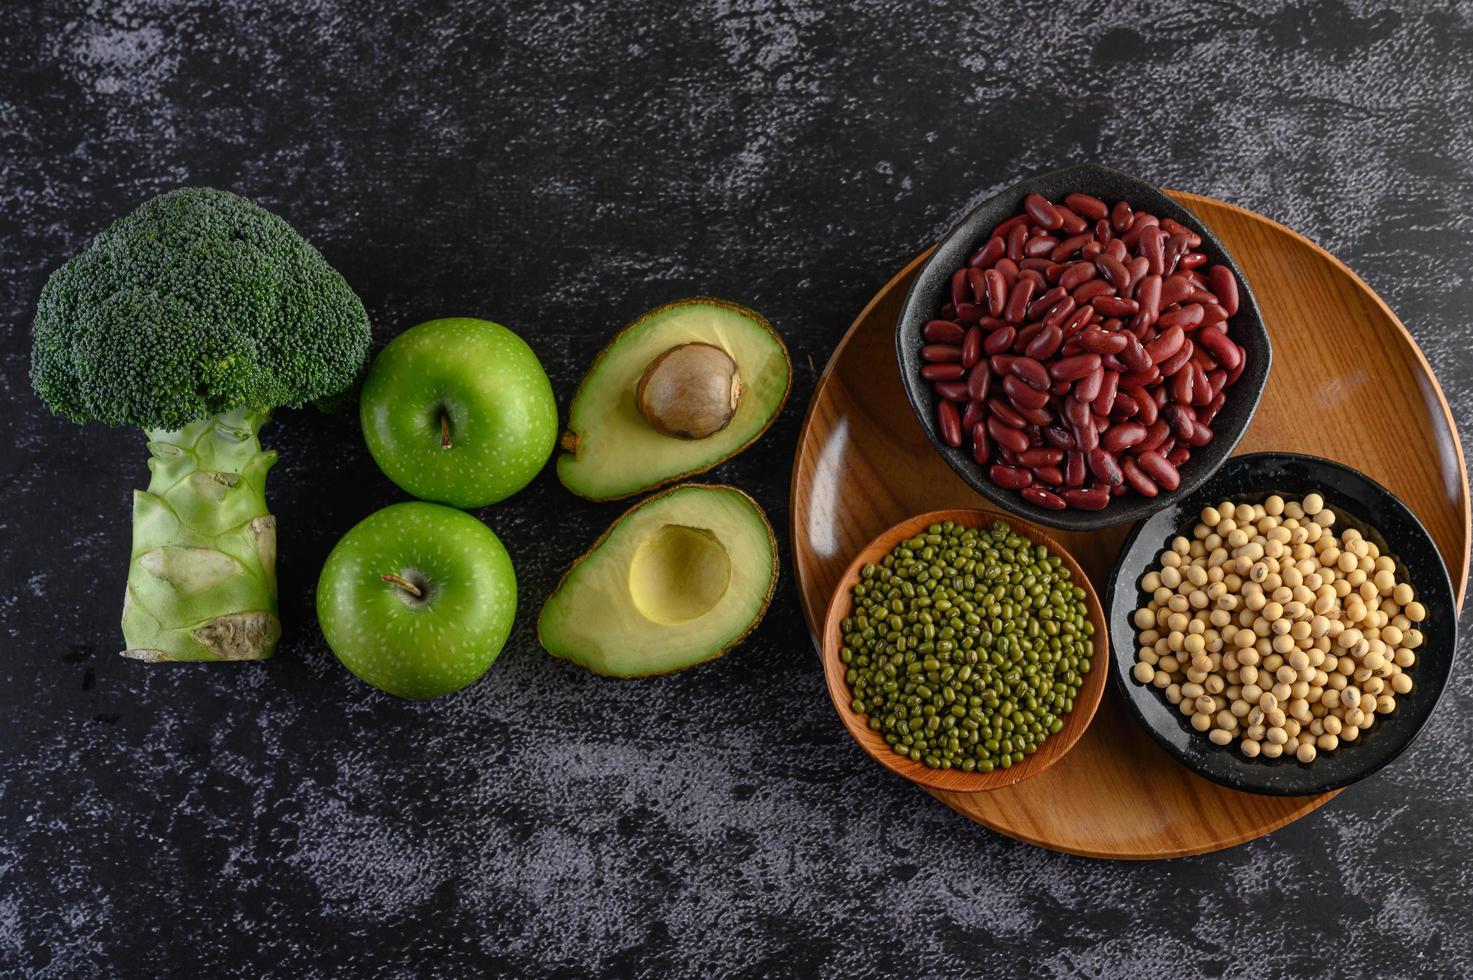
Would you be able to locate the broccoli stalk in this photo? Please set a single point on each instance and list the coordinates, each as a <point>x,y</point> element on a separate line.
<point>193,318</point>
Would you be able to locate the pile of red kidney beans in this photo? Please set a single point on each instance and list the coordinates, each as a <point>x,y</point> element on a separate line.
<point>1084,352</point>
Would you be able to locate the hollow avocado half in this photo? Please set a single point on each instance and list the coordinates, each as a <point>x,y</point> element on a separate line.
<point>678,580</point>
<point>611,451</point>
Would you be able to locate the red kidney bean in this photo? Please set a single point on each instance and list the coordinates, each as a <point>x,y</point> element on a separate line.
<point>1174,227</point>
<point>1138,226</point>
<point>1104,402</point>
<point>1235,373</point>
<point>1045,302</point>
<point>1216,379</point>
<point>1224,286</point>
<point>1006,413</point>
<point>1121,436</point>
<point>1021,395</point>
<point>991,323</point>
<point>1070,246</point>
<point>997,291</point>
<point>977,282</point>
<point>1193,260</point>
<point>1046,342</point>
<point>1082,317</point>
<point>1103,232</point>
<point>1179,456</point>
<point>1213,313</point>
<point>943,372</point>
<point>1074,368</point>
<point>959,287</point>
<point>1076,274</point>
<point>1133,355</point>
<point>1201,388</point>
<point>989,253</point>
<point>999,340</point>
<point>1201,297</point>
<point>952,390</point>
<point>1072,224</point>
<point>979,381</point>
<point>1114,306</point>
<point>1058,437</point>
<point>1148,295</point>
<point>971,347</point>
<point>1037,416</point>
<point>1075,469</point>
<point>1155,466</point>
<point>970,312</point>
<point>1018,300</point>
<point>1002,228</point>
<point>1043,498</point>
<point>1005,436</point>
<point>1209,412</point>
<point>1017,237</point>
<point>1093,498</point>
<point>1091,250</point>
<point>1184,316</point>
<point>1041,456</point>
<point>1008,269</point>
<point>1104,467</point>
<point>1137,268</point>
<point>1039,282</point>
<point>1093,289</point>
<point>1086,436</point>
<point>942,332</point>
<point>1087,207</point>
<point>1037,207</point>
<point>1174,363</point>
<point>1039,246</point>
<point>1125,406</point>
<point>1121,217</point>
<point>1164,346</point>
<point>1097,340</point>
<point>1087,388</point>
<point>1137,478</point>
<point>1031,371</point>
<point>1156,433</point>
<point>1115,271</point>
<point>1040,266</point>
<point>1025,337</point>
<point>1200,435</point>
<point>1174,289</point>
<point>1182,419</point>
<point>1000,363</point>
<point>951,423</point>
<point>975,412</point>
<point>1146,408</point>
<point>1220,347</point>
<point>1182,387</point>
<point>1176,247</point>
<point>1009,477</point>
<point>1141,379</point>
<point>1060,312</point>
<point>941,353</point>
<point>981,444</point>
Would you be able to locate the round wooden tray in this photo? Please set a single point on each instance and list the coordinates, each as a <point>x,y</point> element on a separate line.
<point>1348,382</point>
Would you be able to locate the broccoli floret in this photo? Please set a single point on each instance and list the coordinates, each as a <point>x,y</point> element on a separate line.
<point>193,318</point>
<point>198,302</point>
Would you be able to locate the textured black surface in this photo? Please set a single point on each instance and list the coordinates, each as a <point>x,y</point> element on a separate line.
<point>1360,503</point>
<point>561,168</point>
<point>932,287</point>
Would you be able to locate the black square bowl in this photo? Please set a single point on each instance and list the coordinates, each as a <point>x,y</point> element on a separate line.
<point>931,290</point>
<point>1358,502</point>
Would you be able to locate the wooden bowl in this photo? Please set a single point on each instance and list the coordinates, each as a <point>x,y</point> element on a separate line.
<point>1053,748</point>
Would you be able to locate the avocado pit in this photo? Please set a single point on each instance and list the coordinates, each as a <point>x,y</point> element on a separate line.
<point>691,391</point>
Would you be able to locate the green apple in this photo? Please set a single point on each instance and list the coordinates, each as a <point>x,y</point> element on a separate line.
<point>459,411</point>
<point>417,599</point>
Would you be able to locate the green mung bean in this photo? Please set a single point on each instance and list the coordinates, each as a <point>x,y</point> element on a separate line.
<point>966,647</point>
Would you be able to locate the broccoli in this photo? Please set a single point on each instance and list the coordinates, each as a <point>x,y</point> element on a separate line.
<point>193,318</point>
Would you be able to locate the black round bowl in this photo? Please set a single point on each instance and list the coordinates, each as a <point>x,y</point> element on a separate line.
<point>1358,502</point>
<point>930,290</point>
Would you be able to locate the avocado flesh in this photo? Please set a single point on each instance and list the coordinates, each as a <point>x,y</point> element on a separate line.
<point>612,452</point>
<point>676,581</point>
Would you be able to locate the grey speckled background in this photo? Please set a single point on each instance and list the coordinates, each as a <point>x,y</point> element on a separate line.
<point>561,167</point>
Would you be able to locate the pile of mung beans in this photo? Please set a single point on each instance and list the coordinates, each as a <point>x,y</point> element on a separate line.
<point>1267,628</point>
<point>966,647</point>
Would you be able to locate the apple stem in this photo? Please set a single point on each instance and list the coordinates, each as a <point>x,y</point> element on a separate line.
<point>444,431</point>
<point>403,583</point>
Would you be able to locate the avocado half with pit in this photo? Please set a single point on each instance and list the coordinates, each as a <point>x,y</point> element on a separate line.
<point>678,580</point>
<point>679,390</point>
